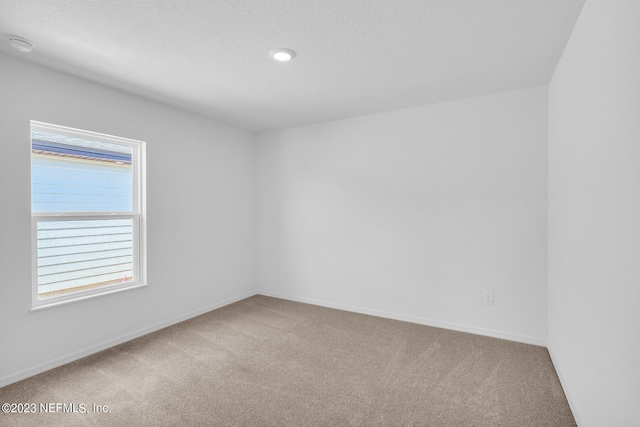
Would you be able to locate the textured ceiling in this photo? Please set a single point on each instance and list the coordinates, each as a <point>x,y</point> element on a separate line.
<point>354,57</point>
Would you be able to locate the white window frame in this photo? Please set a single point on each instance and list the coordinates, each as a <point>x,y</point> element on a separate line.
<point>137,216</point>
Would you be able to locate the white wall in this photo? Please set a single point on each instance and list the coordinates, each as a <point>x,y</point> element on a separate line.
<point>201,217</point>
<point>594,215</point>
<point>413,214</point>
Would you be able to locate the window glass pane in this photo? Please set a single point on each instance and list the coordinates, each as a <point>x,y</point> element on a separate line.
<point>75,256</point>
<point>78,175</point>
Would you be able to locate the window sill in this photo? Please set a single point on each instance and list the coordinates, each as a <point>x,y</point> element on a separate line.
<point>54,302</point>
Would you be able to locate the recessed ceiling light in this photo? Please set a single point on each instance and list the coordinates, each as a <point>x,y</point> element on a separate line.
<point>21,44</point>
<point>282,55</point>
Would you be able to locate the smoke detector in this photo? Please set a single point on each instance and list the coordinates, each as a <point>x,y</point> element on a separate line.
<point>21,44</point>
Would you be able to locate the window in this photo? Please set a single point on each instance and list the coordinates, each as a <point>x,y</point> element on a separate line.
<point>87,214</point>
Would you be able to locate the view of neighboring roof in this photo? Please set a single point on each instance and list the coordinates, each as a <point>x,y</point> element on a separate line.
<point>64,146</point>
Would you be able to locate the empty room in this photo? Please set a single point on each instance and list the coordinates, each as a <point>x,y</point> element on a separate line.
<point>320,212</point>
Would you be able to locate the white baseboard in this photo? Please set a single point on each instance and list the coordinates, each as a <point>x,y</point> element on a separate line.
<point>570,400</point>
<point>539,341</point>
<point>29,372</point>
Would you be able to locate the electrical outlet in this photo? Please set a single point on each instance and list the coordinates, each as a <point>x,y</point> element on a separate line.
<point>488,297</point>
<point>285,273</point>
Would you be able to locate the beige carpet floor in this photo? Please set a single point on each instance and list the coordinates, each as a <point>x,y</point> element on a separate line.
<point>270,362</point>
